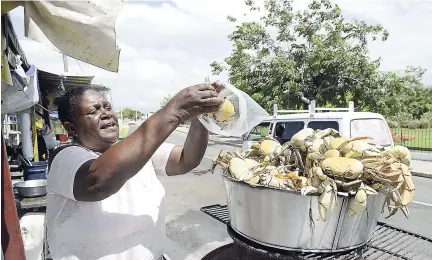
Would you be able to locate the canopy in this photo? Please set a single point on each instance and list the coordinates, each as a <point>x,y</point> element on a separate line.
<point>84,30</point>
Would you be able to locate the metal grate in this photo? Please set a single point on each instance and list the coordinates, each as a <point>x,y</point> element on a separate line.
<point>388,242</point>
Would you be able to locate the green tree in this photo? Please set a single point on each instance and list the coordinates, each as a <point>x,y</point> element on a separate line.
<point>291,57</point>
<point>131,114</point>
<point>165,100</point>
<point>399,94</point>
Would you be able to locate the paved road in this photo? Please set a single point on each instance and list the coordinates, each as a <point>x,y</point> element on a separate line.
<point>192,233</point>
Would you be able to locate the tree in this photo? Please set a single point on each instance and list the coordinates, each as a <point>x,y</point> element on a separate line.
<point>291,57</point>
<point>131,114</point>
<point>400,93</point>
<point>165,100</point>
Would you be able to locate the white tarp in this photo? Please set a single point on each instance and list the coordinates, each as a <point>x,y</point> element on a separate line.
<point>23,94</point>
<point>84,30</point>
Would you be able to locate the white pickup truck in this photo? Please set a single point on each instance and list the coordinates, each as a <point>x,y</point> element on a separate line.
<point>345,120</point>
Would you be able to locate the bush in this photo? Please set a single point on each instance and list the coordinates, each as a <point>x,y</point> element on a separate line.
<point>411,124</point>
<point>393,124</point>
<point>423,124</point>
<point>427,117</point>
<point>416,124</point>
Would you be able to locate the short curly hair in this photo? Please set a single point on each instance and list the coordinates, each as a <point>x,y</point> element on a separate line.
<point>68,104</point>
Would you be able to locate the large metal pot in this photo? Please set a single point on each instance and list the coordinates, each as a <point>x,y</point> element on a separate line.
<point>31,188</point>
<point>287,220</point>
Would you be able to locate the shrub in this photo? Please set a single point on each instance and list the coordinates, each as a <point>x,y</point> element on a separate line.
<point>427,117</point>
<point>416,124</point>
<point>393,124</point>
<point>423,123</point>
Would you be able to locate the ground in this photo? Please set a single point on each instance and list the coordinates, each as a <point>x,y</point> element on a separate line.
<point>192,234</point>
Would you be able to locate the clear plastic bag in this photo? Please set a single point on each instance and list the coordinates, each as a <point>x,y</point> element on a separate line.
<point>248,114</point>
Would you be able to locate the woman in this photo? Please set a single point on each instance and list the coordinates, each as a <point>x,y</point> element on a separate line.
<point>104,198</point>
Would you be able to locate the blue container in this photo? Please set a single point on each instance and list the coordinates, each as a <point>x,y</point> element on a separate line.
<point>35,172</point>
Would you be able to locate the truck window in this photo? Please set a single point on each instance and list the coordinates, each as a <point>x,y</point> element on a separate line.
<point>259,132</point>
<point>374,128</point>
<point>321,125</point>
<point>289,129</point>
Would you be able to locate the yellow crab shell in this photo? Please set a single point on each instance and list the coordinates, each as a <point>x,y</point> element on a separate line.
<point>298,140</point>
<point>331,143</point>
<point>343,167</point>
<point>226,112</point>
<point>402,153</point>
<point>269,146</point>
<point>241,168</point>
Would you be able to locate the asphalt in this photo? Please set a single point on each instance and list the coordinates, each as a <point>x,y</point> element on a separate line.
<point>192,234</point>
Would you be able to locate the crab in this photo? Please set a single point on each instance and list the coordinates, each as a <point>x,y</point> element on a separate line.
<point>226,113</point>
<point>401,153</point>
<point>357,204</point>
<point>309,140</point>
<point>324,163</point>
<point>327,199</point>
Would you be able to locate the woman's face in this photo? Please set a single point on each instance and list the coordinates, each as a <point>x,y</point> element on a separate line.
<point>96,124</point>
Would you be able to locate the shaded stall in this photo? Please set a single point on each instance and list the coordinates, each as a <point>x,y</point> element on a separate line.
<point>24,88</point>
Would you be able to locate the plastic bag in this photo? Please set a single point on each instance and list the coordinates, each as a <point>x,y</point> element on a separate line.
<point>248,114</point>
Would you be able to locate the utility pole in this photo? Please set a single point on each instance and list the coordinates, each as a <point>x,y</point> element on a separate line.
<point>65,64</point>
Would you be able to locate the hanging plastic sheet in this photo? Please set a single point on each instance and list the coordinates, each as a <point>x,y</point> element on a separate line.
<point>23,94</point>
<point>84,30</point>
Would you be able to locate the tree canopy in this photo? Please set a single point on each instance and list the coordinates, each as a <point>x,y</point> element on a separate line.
<point>130,113</point>
<point>165,100</point>
<point>292,57</point>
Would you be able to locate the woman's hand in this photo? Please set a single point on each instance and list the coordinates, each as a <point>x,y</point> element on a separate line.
<point>194,101</point>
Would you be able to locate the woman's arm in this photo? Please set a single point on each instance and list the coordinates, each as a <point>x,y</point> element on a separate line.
<point>100,178</point>
<point>185,158</point>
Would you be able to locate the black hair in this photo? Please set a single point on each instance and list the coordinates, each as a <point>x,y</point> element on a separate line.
<point>280,129</point>
<point>68,104</point>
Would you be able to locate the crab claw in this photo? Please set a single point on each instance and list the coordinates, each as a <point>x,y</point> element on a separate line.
<point>357,205</point>
<point>308,189</point>
<point>327,199</point>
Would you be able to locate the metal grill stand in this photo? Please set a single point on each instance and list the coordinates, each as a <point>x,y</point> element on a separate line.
<point>387,243</point>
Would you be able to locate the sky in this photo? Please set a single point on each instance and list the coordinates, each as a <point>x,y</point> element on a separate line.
<point>167,46</point>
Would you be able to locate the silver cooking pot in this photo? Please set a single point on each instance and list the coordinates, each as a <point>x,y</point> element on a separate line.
<point>287,220</point>
<point>31,188</point>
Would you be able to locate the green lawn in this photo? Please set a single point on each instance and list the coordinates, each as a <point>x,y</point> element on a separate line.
<point>421,138</point>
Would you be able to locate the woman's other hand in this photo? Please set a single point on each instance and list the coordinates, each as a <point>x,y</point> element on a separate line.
<point>194,101</point>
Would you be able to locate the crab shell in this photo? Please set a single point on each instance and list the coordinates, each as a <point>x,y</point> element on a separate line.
<point>241,168</point>
<point>401,153</point>
<point>360,148</point>
<point>269,146</point>
<point>298,140</point>
<point>331,143</point>
<point>225,113</point>
<point>342,167</point>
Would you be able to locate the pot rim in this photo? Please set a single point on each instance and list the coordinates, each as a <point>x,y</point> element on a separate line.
<point>22,184</point>
<point>256,186</point>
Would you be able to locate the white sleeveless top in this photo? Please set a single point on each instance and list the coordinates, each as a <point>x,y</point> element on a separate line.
<point>129,225</point>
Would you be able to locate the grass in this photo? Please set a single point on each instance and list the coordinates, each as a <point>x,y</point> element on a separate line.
<point>419,138</point>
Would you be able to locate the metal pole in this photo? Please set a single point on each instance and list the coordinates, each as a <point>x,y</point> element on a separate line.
<point>65,63</point>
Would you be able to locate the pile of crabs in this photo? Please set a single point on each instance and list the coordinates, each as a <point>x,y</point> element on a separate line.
<point>321,162</point>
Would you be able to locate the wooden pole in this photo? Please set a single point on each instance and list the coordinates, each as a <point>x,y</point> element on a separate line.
<point>11,240</point>
<point>34,134</point>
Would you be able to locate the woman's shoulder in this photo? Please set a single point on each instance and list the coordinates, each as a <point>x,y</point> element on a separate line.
<point>70,153</point>
<point>69,149</point>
